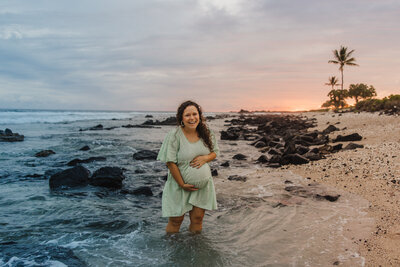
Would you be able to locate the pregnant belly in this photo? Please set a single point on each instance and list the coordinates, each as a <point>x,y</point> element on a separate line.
<point>197,177</point>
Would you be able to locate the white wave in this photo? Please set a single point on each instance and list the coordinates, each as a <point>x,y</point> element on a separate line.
<point>46,116</point>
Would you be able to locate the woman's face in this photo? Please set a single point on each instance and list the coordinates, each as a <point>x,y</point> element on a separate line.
<point>191,117</point>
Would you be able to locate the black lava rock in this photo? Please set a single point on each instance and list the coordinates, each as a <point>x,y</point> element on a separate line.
<point>75,162</point>
<point>143,190</point>
<point>85,148</point>
<point>240,157</point>
<point>44,153</point>
<point>294,159</point>
<point>225,164</point>
<point>73,177</point>
<point>97,127</point>
<point>110,177</point>
<point>350,137</point>
<point>225,135</point>
<point>329,129</point>
<point>8,136</point>
<point>353,146</point>
<point>237,178</point>
<point>262,159</point>
<point>145,155</point>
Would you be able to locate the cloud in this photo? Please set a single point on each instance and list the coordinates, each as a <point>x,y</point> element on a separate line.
<point>152,54</point>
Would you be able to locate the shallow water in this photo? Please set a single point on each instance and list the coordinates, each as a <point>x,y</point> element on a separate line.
<point>99,227</point>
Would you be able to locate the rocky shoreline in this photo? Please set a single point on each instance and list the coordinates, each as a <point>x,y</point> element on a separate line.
<point>285,139</point>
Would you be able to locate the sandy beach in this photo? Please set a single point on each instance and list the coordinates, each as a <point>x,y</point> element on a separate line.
<point>372,172</point>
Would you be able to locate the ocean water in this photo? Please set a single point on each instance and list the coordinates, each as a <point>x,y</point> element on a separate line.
<point>91,226</point>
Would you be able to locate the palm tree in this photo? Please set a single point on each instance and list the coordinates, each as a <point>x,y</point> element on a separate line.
<point>332,81</point>
<point>342,57</point>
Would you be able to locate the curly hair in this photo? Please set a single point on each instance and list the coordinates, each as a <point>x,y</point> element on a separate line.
<point>202,129</point>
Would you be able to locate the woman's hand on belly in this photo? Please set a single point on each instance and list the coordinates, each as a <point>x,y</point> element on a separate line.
<point>189,187</point>
<point>199,161</point>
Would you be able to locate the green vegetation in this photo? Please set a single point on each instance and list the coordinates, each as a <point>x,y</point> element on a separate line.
<point>361,90</point>
<point>336,99</point>
<point>391,102</point>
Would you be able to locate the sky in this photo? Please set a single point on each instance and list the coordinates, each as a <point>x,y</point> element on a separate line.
<point>151,55</point>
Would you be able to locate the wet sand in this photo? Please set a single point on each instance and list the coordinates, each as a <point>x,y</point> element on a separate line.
<point>372,172</point>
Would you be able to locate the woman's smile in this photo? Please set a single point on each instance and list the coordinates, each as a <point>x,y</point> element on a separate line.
<point>191,117</point>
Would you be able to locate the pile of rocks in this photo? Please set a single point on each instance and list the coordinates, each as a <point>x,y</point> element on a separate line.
<point>285,139</point>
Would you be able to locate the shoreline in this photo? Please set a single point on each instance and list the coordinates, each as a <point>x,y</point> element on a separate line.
<point>372,172</point>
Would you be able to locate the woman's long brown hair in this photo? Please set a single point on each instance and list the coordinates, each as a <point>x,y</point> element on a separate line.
<point>202,129</point>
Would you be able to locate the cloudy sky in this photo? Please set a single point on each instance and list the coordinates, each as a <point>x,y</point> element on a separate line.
<point>224,54</point>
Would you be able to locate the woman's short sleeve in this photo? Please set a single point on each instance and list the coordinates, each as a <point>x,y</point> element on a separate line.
<point>214,143</point>
<point>169,148</point>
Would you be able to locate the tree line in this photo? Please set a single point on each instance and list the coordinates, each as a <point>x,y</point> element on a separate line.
<point>359,91</point>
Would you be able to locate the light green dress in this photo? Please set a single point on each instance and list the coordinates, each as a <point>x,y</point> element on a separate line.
<point>176,201</point>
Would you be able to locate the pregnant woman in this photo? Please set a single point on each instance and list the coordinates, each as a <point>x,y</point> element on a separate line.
<point>187,150</point>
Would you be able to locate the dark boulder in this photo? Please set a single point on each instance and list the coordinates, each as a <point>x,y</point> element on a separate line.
<point>167,121</point>
<point>149,116</point>
<point>290,148</point>
<point>9,136</point>
<point>44,153</point>
<point>353,146</point>
<point>97,127</point>
<point>145,155</point>
<point>143,190</point>
<point>329,197</point>
<point>225,164</point>
<point>260,144</point>
<point>262,159</point>
<point>313,156</point>
<point>237,178</point>
<point>325,149</point>
<point>225,135</point>
<point>294,159</point>
<point>301,149</point>
<point>337,147</point>
<point>73,177</point>
<point>240,157</point>
<point>275,144</point>
<point>214,172</point>
<point>312,191</point>
<point>75,162</point>
<point>110,177</point>
<point>274,151</point>
<point>350,137</point>
<point>329,129</point>
<point>85,148</point>
<point>275,159</point>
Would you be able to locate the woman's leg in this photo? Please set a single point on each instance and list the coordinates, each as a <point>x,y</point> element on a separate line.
<point>196,219</point>
<point>174,223</point>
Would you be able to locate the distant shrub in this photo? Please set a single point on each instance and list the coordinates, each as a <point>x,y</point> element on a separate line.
<point>372,105</point>
<point>392,102</point>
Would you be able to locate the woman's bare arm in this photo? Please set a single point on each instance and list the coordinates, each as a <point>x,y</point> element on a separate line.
<point>176,174</point>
